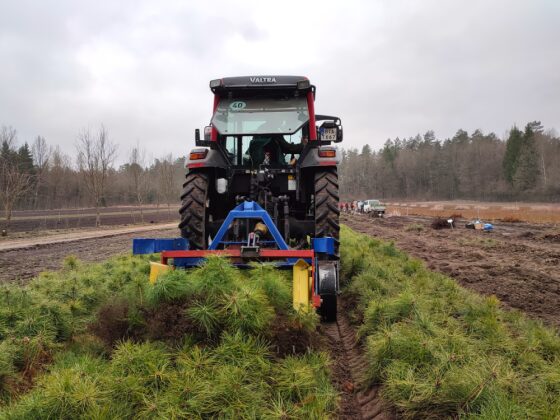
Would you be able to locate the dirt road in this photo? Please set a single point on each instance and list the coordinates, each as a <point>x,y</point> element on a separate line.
<point>518,262</point>
<point>25,259</point>
<point>45,220</point>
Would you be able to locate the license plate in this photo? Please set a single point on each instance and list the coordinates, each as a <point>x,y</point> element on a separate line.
<point>328,134</point>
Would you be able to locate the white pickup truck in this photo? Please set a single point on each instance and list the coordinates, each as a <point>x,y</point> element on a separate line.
<point>374,207</point>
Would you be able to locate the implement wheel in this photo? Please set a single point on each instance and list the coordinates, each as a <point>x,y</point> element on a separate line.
<point>326,205</point>
<point>327,279</point>
<point>328,308</point>
<point>193,209</point>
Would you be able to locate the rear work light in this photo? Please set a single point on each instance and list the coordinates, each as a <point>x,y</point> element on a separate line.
<point>215,83</point>
<point>197,154</point>
<point>303,84</point>
<point>327,153</point>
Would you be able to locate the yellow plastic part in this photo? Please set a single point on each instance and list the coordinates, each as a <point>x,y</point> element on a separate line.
<point>156,269</point>
<point>301,286</point>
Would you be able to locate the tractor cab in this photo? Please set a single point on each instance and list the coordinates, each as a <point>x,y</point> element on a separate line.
<point>266,120</point>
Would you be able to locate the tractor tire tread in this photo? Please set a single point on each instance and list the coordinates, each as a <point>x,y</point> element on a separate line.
<point>327,213</point>
<point>193,209</point>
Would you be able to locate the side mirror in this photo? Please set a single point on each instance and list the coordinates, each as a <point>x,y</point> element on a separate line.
<point>208,132</point>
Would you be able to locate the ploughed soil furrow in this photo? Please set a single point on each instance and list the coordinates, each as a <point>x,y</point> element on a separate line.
<point>21,265</point>
<point>516,262</point>
<point>349,366</point>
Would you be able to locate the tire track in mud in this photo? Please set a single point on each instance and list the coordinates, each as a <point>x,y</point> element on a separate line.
<point>349,366</point>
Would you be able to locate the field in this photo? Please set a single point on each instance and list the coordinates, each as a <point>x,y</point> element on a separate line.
<point>409,341</point>
<point>521,212</point>
<point>517,262</point>
<point>38,221</point>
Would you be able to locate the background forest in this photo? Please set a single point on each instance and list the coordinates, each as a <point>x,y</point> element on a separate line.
<point>525,165</point>
<point>43,176</point>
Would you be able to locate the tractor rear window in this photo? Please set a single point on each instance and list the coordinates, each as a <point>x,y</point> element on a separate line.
<point>260,116</point>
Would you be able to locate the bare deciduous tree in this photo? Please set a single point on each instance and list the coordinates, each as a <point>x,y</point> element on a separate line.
<point>14,184</point>
<point>96,154</point>
<point>166,180</point>
<point>41,159</point>
<point>56,180</point>
<point>7,136</point>
<point>138,176</point>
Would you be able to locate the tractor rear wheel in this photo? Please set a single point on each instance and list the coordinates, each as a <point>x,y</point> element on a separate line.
<point>326,205</point>
<point>193,209</point>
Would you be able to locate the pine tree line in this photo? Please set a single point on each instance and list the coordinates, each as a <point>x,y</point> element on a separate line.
<point>524,166</point>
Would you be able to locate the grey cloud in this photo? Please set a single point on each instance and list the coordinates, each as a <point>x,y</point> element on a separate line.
<point>388,68</point>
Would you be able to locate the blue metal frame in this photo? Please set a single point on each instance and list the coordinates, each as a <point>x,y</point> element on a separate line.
<point>245,210</point>
<point>248,210</point>
<point>323,245</point>
<point>142,246</point>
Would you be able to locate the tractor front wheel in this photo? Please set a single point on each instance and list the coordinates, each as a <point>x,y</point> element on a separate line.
<point>193,209</point>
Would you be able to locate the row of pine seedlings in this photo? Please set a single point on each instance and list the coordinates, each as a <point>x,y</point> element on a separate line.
<point>99,341</point>
<point>441,351</point>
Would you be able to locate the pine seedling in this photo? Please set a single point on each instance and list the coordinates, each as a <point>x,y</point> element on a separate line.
<point>247,309</point>
<point>206,316</point>
<point>170,286</point>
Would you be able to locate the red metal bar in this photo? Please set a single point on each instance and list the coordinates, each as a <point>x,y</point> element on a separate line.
<point>311,107</point>
<point>264,253</point>
<point>214,134</point>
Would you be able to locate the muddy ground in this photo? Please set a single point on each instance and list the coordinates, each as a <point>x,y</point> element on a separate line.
<point>517,262</point>
<point>20,265</point>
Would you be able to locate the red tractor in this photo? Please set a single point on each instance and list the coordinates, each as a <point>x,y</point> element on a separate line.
<point>264,144</point>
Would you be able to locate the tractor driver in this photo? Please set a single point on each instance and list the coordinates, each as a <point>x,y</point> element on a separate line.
<point>270,149</point>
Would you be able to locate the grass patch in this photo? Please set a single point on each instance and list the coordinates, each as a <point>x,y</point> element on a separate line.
<point>414,227</point>
<point>442,351</point>
<point>486,243</point>
<point>99,341</point>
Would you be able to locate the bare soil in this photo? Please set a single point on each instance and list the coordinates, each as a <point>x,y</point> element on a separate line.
<point>528,212</point>
<point>46,220</point>
<point>517,262</point>
<point>23,263</point>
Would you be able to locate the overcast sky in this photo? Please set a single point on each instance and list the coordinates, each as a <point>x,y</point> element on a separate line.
<point>387,68</point>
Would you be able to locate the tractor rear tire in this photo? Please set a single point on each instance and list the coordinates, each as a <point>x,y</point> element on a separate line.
<point>193,209</point>
<point>327,212</point>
